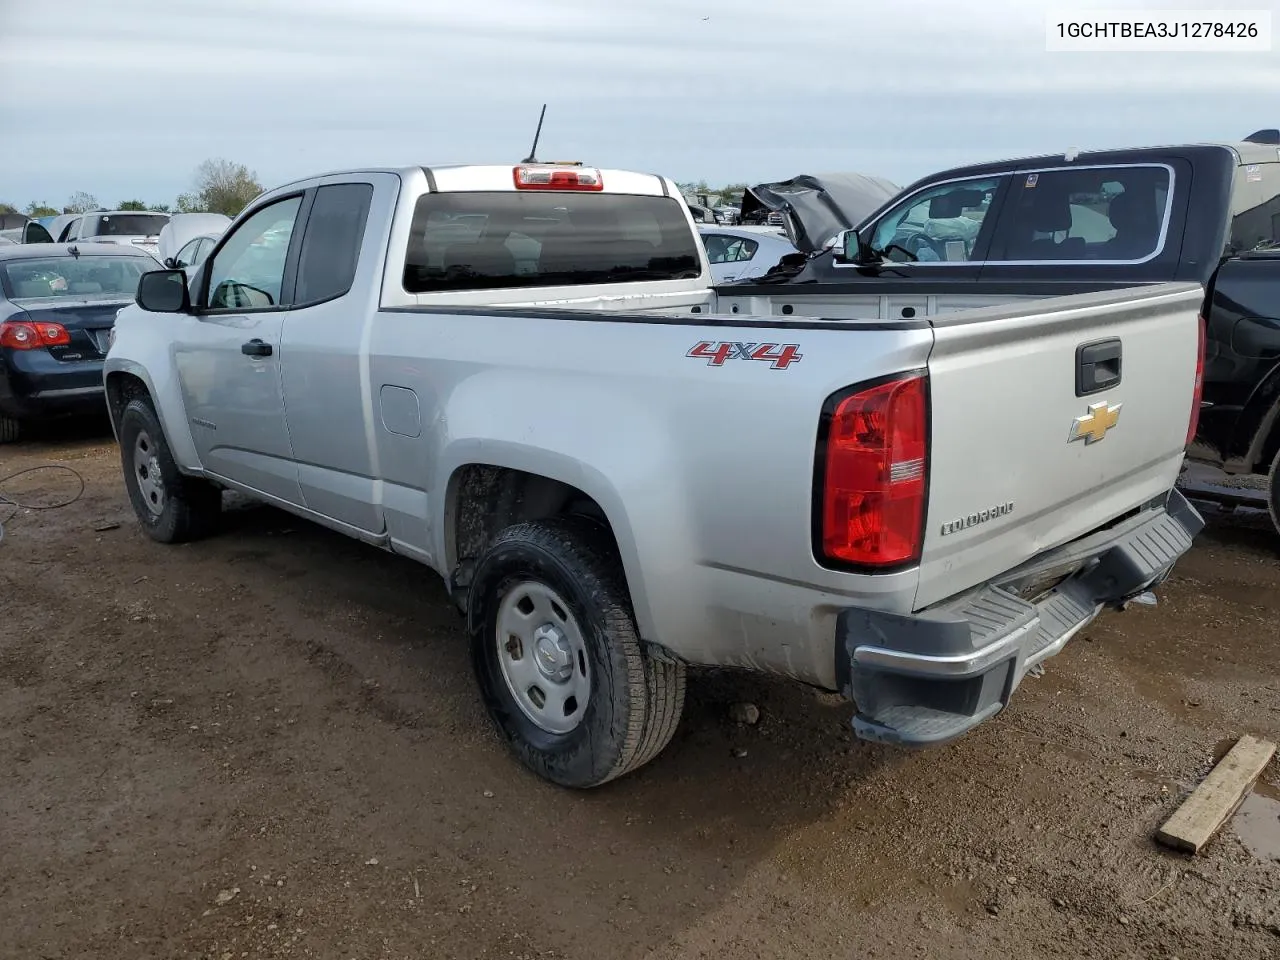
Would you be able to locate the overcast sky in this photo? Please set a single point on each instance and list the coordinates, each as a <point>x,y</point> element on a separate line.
<point>123,98</point>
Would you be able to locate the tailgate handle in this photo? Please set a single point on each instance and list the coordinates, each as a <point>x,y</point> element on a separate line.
<point>1097,366</point>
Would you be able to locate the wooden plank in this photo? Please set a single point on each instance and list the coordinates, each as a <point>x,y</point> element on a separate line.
<point>1213,802</point>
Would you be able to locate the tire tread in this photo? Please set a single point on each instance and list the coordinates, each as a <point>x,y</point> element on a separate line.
<point>655,690</point>
<point>196,505</point>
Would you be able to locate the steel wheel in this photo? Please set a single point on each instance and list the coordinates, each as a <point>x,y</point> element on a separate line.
<point>146,467</point>
<point>543,657</point>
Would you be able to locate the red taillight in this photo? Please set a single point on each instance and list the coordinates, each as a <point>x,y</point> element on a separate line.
<point>21,335</point>
<point>1197,395</point>
<point>873,478</point>
<point>557,178</point>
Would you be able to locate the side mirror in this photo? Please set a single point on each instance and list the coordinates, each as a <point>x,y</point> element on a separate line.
<point>852,248</point>
<point>171,263</point>
<point>163,291</point>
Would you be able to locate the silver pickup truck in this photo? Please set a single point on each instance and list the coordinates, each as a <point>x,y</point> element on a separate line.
<point>521,377</point>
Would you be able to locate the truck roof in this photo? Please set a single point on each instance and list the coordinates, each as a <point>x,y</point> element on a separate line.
<point>451,177</point>
<point>1244,152</point>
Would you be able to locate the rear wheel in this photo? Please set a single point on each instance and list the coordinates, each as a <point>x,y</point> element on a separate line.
<point>171,508</point>
<point>560,665</point>
<point>10,430</point>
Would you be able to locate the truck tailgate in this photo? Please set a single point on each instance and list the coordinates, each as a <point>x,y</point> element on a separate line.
<point>1031,445</point>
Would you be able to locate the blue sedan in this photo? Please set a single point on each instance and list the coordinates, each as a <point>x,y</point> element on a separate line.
<point>58,303</point>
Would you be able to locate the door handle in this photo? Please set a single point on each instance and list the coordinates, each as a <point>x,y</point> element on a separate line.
<point>1098,366</point>
<point>256,348</point>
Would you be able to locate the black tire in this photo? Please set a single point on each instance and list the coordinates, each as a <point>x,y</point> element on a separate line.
<point>1273,491</point>
<point>190,508</point>
<point>635,700</point>
<point>10,430</point>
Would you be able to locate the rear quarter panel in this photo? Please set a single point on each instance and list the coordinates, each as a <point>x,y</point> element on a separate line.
<point>705,472</point>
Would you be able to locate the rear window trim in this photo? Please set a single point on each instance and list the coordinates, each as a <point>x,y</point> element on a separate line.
<point>1010,174</point>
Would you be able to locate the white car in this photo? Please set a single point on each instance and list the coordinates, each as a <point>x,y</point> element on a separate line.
<point>737,253</point>
<point>189,237</point>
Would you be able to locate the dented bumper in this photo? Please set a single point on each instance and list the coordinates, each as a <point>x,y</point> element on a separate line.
<point>929,677</point>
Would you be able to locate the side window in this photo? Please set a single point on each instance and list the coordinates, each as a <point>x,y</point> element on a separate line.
<point>187,255</point>
<point>939,224</point>
<point>70,231</point>
<point>717,245</point>
<point>248,272</point>
<point>1255,221</point>
<point>331,244</point>
<point>1084,214</point>
<point>36,233</point>
<point>726,249</point>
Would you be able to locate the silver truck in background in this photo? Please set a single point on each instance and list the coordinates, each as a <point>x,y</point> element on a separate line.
<point>521,377</point>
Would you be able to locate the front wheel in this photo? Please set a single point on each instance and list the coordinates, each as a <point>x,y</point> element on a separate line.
<point>171,508</point>
<point>10,429</point>
<point>561,668</point>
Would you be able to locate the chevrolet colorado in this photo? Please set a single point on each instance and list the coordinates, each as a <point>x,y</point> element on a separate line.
<point>521,377</point>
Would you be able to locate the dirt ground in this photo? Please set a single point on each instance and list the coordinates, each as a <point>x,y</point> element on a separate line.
<point>269,744</point>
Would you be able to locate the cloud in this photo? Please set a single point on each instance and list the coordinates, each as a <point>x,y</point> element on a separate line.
<point>126,98</point>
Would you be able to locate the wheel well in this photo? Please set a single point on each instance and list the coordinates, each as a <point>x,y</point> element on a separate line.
<point>121,388</point>
<point>485,500</point>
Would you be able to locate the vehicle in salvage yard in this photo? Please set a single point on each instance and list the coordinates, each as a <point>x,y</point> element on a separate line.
<point>521,377</point>
<point>739,253</point>
<point>188,237</point>
<point>57,307</point>
<point>127,227</point>
<point>1207,213</point>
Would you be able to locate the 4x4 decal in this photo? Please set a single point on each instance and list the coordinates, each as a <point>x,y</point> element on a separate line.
<point>779,356</point>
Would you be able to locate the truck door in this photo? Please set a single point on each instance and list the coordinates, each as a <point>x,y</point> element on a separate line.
<point>324,361</point>
<point>228,354</point>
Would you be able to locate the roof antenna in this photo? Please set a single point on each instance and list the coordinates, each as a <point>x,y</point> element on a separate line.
<point>533,150</point>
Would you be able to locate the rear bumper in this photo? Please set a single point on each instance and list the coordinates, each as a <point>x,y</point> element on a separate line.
<point>34,385</point>
<point>932,676</point>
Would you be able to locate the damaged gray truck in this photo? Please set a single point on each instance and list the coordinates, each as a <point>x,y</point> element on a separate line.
<point>522,378</point>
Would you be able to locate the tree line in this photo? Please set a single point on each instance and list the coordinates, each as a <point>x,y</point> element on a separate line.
<point>219,186</point>
<point>729,193</point>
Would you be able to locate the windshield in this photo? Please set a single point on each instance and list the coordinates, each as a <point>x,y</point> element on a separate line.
<point>470,241</point>
<point>126,225</point>
<point>81,277</point>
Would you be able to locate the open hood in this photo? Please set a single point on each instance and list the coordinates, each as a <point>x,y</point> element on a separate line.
<point>817,206</point>
<point>182,228</point>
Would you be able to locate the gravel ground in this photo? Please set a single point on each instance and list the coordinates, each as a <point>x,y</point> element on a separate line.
<point>269,744</point>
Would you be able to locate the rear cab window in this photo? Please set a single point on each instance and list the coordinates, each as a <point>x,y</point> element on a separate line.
<point>545,238</point>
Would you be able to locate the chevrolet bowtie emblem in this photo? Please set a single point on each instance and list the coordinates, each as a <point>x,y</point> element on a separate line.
<point>1094,425</point>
